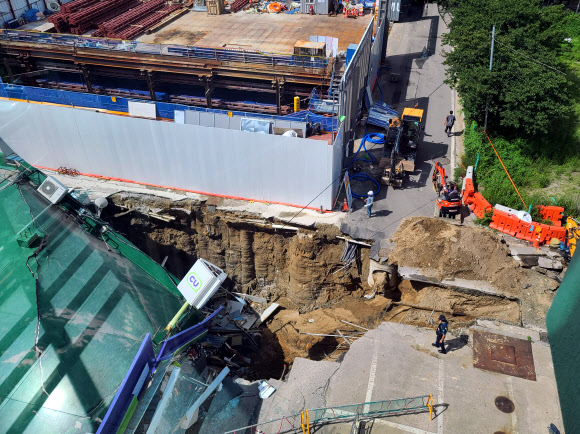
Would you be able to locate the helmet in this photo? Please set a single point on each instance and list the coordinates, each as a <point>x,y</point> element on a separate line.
<point>370,193</point>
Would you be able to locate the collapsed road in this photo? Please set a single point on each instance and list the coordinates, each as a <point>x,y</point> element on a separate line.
<point>329,291</point>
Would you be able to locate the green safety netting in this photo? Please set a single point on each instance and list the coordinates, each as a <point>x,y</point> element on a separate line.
<point>73,316</point>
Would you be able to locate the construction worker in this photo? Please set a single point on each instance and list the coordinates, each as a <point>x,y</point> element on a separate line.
<point>453,195</point>
<point>448,122</point>
<point>369,203</point>
<point>441,333</point>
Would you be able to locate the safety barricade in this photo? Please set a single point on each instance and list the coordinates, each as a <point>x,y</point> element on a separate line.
<point>552,213</point>
<point>558,232</point>
<point>468,190</point>
<point>479,206</point>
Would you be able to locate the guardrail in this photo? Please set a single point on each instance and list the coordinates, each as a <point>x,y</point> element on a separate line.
<point>303,421</point>
<point>235,55</point>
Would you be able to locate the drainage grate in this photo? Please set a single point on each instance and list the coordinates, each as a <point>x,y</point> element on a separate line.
<point>504,404</point>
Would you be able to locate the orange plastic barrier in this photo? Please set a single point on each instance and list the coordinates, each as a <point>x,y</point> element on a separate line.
<point>479,206</point>
<point>552,213</point>
<point>468,190</point>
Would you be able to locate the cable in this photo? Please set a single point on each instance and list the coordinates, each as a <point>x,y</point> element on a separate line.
<point>528,57</point>
<point>306,206</point>
<point>506,171</point>
<point>377,139</point>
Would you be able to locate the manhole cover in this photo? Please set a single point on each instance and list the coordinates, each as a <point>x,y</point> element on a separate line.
<point>504,404</point>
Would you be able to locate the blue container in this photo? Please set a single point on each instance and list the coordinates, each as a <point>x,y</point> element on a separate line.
<point>350,52</point>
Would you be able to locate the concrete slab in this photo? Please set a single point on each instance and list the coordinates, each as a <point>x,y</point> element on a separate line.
<point>470,286</point>
<point>95,187</point>
<point>397,360</point>
<point>305,388</point>
<point>509,330</point>
<point>272,33</point>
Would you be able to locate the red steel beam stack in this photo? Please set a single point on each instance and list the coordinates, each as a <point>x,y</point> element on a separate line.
<point>238,4</point>
<point>90,17</point>
<point>136,21</point>
<point>111,27</point>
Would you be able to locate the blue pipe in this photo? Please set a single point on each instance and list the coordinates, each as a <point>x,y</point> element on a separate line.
<point>377,139</point>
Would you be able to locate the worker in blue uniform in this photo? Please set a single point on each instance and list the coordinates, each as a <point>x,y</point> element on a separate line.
<point>441,333</point>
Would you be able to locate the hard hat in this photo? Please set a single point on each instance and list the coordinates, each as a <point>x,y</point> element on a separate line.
<point>370,193</point>
<point>441,317</point>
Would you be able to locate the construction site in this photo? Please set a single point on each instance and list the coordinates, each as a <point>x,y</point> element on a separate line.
<point>280,260</point>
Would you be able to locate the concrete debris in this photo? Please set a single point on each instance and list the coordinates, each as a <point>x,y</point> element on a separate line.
<point>550,264</point>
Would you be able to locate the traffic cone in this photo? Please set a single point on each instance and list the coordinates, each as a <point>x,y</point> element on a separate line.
<point>344,205</point>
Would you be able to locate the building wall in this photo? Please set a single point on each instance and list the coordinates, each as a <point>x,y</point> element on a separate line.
<point>564,335</point>
<point>203,159</point>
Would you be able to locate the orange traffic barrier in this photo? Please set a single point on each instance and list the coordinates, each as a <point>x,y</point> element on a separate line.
<point>552,213</point>
<point>468,190</point>
<point>556,232</point>
<point>479,206</point>
<point>523,230</point>
<point>498,220</point>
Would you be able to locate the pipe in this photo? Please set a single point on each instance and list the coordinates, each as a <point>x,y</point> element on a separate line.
<point>377,139</point>
<point>177,316</point>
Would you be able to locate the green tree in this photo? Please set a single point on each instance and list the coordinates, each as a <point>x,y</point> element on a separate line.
<point>526,98</point>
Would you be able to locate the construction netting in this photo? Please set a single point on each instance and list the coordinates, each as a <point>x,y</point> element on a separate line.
<point>299,421</point>
<point>76,303</point>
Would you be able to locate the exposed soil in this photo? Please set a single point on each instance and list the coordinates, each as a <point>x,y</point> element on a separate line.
<point>301,271</point>
<point>456,252</point>
<point>436,300</point>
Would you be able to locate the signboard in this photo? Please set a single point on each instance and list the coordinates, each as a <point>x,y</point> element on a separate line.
<point>142,109</point>
<point>201,282</point>
<point>348,191</point>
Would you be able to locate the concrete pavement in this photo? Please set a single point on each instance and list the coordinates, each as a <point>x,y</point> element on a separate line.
<point>398,361</point>
<point>422,83</point>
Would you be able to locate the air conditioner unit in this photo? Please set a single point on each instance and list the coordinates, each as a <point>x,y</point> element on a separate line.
<point>52,189</point>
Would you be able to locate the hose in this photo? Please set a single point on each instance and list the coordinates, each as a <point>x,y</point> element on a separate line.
<point>377,139</point>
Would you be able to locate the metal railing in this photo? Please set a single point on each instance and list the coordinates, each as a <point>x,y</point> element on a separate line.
<point>303,421</point>
<point>235,55</point>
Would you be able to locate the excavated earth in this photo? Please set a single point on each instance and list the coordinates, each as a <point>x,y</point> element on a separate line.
<point>301,270</point>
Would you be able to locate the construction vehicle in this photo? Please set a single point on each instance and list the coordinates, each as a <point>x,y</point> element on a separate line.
<point>444,207</point>
<point>572,234</point>
<point>401,141</point>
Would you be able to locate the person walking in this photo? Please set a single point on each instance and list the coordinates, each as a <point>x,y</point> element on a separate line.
<point>448,123</point>
<point>369,203</point>
<point>441,333</point>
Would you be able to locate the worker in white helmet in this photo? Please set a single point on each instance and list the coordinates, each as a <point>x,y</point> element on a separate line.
<point>369,203</point>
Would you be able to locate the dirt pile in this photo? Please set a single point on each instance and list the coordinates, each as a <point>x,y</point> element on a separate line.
<point>453,251</point>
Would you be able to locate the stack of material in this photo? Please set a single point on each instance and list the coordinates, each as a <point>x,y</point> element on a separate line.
<point>238,5</point>
<point>114,26</point>
<point>79,16</point>
<point>135,28</point>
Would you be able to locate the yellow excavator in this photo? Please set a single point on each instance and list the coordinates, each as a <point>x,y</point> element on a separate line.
<point>402,138</point>
<point>572,234</point>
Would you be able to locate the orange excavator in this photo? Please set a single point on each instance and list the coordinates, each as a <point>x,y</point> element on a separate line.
<point>448,202</point>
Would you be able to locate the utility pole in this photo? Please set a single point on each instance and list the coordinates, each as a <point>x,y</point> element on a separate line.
<point>490,65</point>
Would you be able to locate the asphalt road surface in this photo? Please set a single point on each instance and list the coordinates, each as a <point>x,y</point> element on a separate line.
<point>414,51</point>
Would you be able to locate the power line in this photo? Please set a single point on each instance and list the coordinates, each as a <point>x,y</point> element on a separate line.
<point>306,206</point>
<point>528,57</point>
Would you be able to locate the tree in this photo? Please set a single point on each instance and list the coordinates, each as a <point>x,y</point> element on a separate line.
<point>526,93</point>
